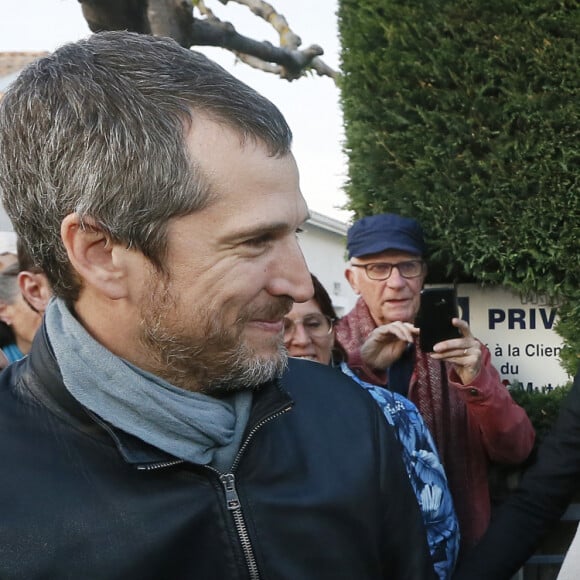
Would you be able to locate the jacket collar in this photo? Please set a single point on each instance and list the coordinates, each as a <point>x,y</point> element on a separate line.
<point>41,380</point>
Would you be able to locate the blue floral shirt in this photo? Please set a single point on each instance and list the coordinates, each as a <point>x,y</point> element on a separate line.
<point>425,472</point>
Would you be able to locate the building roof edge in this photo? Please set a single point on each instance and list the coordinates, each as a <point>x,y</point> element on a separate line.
<point>327,223</point>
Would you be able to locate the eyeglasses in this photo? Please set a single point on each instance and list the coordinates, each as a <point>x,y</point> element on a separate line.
<point>383,270</point>
<point>315,325</point>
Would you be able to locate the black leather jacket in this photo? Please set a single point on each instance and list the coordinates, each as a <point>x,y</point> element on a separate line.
<point>317,491</point>
<point>537,504</point>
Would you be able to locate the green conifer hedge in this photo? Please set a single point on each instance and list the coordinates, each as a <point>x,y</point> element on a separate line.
<point>465,115</point>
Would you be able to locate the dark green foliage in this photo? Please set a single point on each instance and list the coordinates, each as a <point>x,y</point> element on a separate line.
<point>542,407</point>
<point>464,114</point>
<point>568,326</point>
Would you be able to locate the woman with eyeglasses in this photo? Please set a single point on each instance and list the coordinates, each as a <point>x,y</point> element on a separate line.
<point>309,334</point>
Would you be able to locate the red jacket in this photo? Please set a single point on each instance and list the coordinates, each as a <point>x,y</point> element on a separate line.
<point>472,424</point>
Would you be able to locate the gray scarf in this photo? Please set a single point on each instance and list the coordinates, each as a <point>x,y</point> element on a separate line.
<point>192,426</point>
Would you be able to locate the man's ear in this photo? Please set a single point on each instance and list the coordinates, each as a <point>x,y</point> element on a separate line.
<point>93,255</point>
<point>351,277</point>
<point>35,289</point>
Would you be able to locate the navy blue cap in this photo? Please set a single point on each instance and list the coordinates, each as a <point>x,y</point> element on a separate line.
<point>385,231</point>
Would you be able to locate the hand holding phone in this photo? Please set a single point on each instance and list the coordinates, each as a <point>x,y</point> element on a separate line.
<point>438,307</point>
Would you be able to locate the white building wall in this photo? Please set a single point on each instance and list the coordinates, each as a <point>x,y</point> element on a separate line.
<point>323,242</point>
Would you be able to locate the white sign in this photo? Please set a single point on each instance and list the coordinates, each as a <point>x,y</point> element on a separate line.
<point>519,333</point>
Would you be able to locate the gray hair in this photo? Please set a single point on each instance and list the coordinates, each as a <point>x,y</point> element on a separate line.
<point>97,128</point>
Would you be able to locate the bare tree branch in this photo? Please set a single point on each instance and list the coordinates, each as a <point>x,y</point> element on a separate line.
<point>291,63</point>
<point>297,62</point>
<point>116,15</point>
<point>175,18</point>
<point>267,12</point>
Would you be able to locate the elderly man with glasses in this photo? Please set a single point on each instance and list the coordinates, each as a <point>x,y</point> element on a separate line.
<point>459,393</point>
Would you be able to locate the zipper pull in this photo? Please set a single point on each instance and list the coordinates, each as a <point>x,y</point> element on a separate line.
<point>228,480</point>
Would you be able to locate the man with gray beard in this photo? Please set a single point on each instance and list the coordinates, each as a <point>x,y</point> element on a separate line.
<point>157,429</point>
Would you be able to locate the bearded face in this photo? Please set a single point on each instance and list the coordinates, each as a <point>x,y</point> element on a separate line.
<point>213,320</point>
<point>197,348</point>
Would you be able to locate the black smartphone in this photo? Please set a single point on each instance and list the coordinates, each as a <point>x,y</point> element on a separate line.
<point>438,307</point>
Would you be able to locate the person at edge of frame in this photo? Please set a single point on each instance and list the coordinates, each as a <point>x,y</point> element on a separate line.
<point>536,505</point>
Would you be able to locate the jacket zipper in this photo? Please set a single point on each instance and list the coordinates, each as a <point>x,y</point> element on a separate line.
<point>253,431</point>
<point>159,465</point>
<point>228,481</point>
<point>233,504</point>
